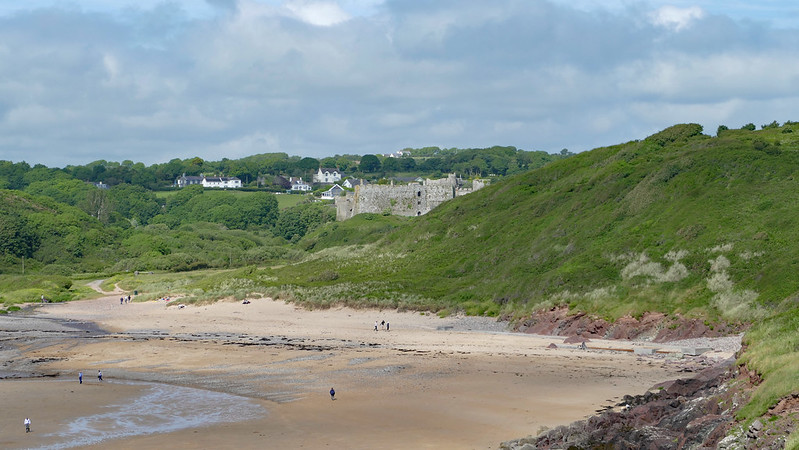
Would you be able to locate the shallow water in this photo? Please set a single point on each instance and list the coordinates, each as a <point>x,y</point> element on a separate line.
<point>161,408</point>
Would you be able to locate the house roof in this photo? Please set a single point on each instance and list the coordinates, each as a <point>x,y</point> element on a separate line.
<point>335,187</point>
<point>356,181</point>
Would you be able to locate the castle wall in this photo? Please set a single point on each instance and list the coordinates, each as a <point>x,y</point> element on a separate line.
<point>405,200</point>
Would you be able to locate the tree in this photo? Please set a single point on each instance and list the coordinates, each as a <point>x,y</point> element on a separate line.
<point>391,165</point>
<point>297,221</point>
<point>308,164</point>
<point>97,204</point>
<point>183,196</point>
<point>329,162</point>
<point>749,126</point>
<point>16,236</point>
<point>69,191</point>
<point>134,202</point>
<point>407,164</point>
<point>720,129</point>
<point>369,164</point>
<point>258,209</point>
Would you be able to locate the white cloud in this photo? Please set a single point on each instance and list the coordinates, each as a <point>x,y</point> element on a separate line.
<point>675,18</point>
<point>400,119</point>
<point>319,13</point>
<point>258,142</point>
<point>447,129</point>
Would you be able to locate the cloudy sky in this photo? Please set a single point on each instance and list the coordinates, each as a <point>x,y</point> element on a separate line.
<point>152,80</point>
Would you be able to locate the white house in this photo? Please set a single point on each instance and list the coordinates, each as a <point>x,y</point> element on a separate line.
<point>297,185</point>
<point>327,176</point>
<point>222,182</point>
<point>209,182</point>
<point>398,154</point>
<point>184,180</point>
<point>333,192</point>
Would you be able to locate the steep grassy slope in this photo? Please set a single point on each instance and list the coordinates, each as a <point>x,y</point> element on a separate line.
<point>678,222</point>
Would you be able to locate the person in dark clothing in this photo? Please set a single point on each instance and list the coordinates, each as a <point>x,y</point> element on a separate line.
<point>332,394</point>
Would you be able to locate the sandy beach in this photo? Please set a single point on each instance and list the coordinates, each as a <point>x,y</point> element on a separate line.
<point>257,375</point>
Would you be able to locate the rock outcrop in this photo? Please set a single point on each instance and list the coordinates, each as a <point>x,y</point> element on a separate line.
<point>655,327</point>
<point>693,412</point>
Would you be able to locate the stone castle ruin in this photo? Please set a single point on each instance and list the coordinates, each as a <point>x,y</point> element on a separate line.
<point>413,199</point>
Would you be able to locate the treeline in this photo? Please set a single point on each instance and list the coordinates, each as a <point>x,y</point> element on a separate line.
<point>258,171</point>
<point>192,229</point>
<point>471,162</point>
<point>58,221</point>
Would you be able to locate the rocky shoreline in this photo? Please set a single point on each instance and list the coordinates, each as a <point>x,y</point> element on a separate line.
<point>696,412</point>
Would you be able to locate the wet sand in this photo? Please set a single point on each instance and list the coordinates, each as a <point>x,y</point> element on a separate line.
<point>427,383</point>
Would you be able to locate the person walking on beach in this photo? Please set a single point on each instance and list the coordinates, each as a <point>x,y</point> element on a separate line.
<point>100,375</point>
<point>27,425</point>
<point>80,377</point>
<point>332,394</point>
<point>376,325</point>
<point>387,326</point>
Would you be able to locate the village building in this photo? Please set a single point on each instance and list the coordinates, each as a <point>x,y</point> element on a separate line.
<point>333,192</point>
<point>208,182</point>
<point>297,185</point>
<point>327,176</point>
<point>350,183</point>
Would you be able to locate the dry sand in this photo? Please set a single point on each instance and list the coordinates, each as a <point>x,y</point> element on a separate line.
<point>427,383</point>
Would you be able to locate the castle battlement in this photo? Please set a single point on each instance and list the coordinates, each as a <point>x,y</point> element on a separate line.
<point>413,199</point>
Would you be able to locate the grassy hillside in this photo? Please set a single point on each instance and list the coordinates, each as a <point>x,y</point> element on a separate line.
<point>679,222</point>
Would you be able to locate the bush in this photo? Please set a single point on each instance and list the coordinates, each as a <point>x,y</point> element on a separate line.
<point>326,275</point>
<point>676,133</point>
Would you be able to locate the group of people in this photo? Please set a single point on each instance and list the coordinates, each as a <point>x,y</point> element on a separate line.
<point>125,299</point>
<point>99,376</point>
<point>27,421</point>
<point>383,325</point>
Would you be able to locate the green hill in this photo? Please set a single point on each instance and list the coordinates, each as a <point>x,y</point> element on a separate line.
<point>679,222</point>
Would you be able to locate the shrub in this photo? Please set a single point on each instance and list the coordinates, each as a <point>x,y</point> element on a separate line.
<point>676,133</point>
